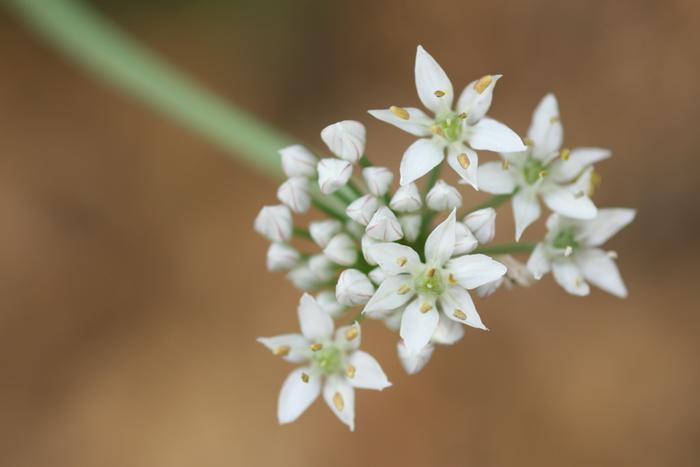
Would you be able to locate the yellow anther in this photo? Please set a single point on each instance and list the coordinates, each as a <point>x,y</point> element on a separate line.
<point>316,347</point>
<point>451,279</point>
<point>338,402</point>
<point>350,371</point>
<point>305,377</point>
<point>463,116</point>
<point>554,119</point>
<point>579,194</point>
<point>282,351</point>
<point>436,130</point>
<point>459,314</point>
<point>528,142</point>
<point>425,307</point>
<point>404,289</point>
<point>351,333</point>
<point>430,273</point>
<point>543,173</point>
<point>505,165</point>
<point>401,261</point>
<point>481,85</point>
<point>579,281</point>
<point>439,93</point>
<point>596,180</point>
<point>565,154</point>
<point>463,160</point>
<point>400,112</point>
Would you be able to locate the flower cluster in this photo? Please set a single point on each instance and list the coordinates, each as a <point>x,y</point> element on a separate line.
<point>404,256</point>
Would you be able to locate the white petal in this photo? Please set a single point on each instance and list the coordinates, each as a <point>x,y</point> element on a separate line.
<point>345,139</point>
<point>526,210</point>
<point>274,223</point>
<point>570,204</point>
<point>362,209</point>
<point>384,226</point>
<point>377,275</point>
<point>387,296</point>
<point>328,303</point>
<point>417,123</point>
<point>378,179</point>
<point>297,161</point>
<point>538,263</point>
<point>340,397</point>
<point>315,324</point>
<point>476,101</point>
<point>600,270</point>
<point>296,396</point>
<point>419,159</point>
<point>333,174</point>
<point>342,250</point>
<point>411,224</point>
<point>417,327</point>
<point>441,242</point>
<point>367,242</point>
<point>457,305</point>
<point>465,241</point>
<point>368,372</point>
<point>546,130</point>
<point>413,362</point>
<point>489,288</point>
<point>443,197</point>
<point>579,159</point>
<point>292,347</point>
<point>353,288</point>
<point>607,223</point>
<point>448,332</point>
<point>568,275</point>
<point>394,258</point>
<point>431,78</point>
<point>493,178</point>
<point>471,271</point>
<point>482,224</point>
<point>295,193</point>
<point>303,277</point>
<point>322,231</point>
<point>491,135</point>
<point>465,162</point>
<point>281,257</point>
<point>323,268</point>
<point>406,199</point>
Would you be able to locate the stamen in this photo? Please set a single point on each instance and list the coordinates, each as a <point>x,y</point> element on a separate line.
<point>401,261</point>
<point>338,402</point>
<point>350,371</point>
<point>451,279</point>
<point>528,142</point>
<point>316,347</point>
<point>579,194</point>
<point>305,377</point>
<point>554,119</point>
<point>565,154</point>
<point>579,281</point>
<point>463,116</point>
<point>404,289</point>
<point>505,165</point>
<point>439,93</point>
<point>568,250</point>
<point>612,254</point>
<point>459,314</point>
<point>543,173</point>
<point>436,130</point>
<point>481,85</point>
<point>463,160</point>
<point>400,112</point>
<point>430,273</point>
<point>425,307</point>
<point>281,351</point>
<point>351,333</point>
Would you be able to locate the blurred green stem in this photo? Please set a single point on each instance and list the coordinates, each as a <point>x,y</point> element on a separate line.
<point>506,248</point>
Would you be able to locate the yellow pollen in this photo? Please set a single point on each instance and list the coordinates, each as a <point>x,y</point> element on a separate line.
<point>350,371</point>
<point>463,160</point>
<point>459,314</point>
<point>596,179</point>
<point>305,377</point>
<point>579,281</point>
<point>351,333</point>
<point>282,351</point>
<point>543,173</point>
<point>338,402</point>
<point>451,279</point>
<point>565,154</point>
<point>400,112</point>
<point>554,119</point>
<point>431,272</point>
<point>483,83</point>
<point>579,194</point>
<point>505,165</point>
<point>439,93</point>
<point>425,307</point>
<point>463,116</point>
<point>401,261</point>
<point>528,142</point>
<point>316,347</point>
<point>404,289</point>
<point>436,130</point>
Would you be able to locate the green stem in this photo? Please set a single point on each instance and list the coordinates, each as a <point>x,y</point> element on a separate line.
<point>354,189</point>
<point>331,211</point>
<point>506,248</point>
<point>301,233</point>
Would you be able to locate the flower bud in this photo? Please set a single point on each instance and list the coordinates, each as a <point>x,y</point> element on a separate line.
<point>378,179</point>
<point>447,331</point>
<point>465,241</point>
<point>274,223</point>
<point>489,288</point>
<point>322,268</point>
<point>341,250</point>
<point>412,361</point>
<point>353,288</point>
<point>377,275</point>
<point>368,241</point>
<point>443,197</point>
<point>322,231</point>
<point>328,303</point>
<point>482,223</point>
<point>362,209</point>
<point>345,139</point>
<point>411,223</point>
<point>303,278</point>
<point>333,174</point>
<point>281,257</point>
<point>384,226</point>
<point>295,194</point>
<point>406,199</point>
<point>297,161</point>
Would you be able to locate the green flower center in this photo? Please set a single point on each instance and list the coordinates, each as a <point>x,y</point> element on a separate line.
<point>328,359</point>
<point>565,238</point>
<point>533,170</point>
<point>430,282</point>
<point>449,127</point>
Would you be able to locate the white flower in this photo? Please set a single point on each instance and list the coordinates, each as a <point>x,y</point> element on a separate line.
<point>342,250</point>
<point>384,226</point>
<point>274,223</point>
<point>281,257</point>
<point>297,161</point>
<point>410,224</point>
<point>406,199</point>
<point>322,231</point>
<point>378,179</point>
<point>332,365</point>
<point>443,197</point>
<point>365,243</point>
<point>457,131</point>
<point>482,224</point>
<point>377,275</point>
<point>447,332</point>
<point>328,303</point>
<point>465,241</point>
<point>323,268</point>
<point>304,278</point>
<point>413,362</point>
<point>561,177</point>
<point>517,275</point>
<point>295,193</point>
<point>362,209</point>
<point>333,174</point>
<point>570,250</point>
<point>345,139</point>
<point>440,282</point>
<point>353,288</point>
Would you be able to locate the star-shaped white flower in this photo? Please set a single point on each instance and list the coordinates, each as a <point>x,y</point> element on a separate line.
<point>561,177</point>
<point>439,282</point>
<point>457,131</point>
<point>332,365</point>
<point>571,251</point>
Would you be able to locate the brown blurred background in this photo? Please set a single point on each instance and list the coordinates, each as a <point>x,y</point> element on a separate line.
<point>132,286</point>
